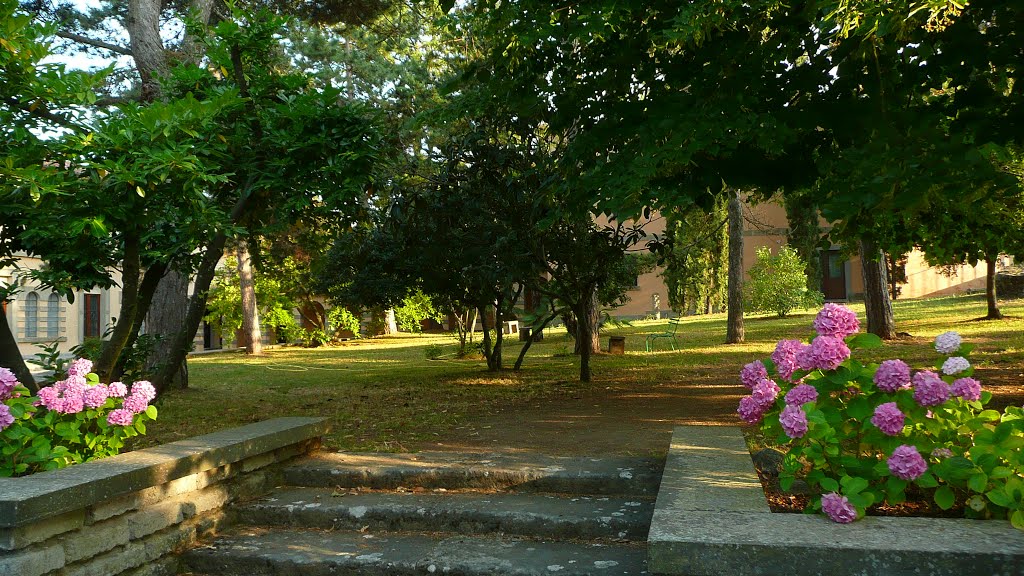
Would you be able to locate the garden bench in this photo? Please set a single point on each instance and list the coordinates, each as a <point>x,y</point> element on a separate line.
<point>673,325</point>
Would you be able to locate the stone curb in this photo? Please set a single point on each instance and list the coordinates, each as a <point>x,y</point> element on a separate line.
<point>711,517</point>
<point>33,498</point>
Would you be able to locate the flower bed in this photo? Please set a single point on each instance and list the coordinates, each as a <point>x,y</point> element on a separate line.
<point>862,434</point>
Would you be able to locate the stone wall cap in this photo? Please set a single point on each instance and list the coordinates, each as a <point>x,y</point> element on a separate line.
<point>32,498</point>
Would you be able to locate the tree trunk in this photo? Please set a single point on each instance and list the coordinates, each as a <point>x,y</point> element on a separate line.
<point>488,351</point>
<point>143,26</point>
<point>165,320</point>
<point>390,324</point>
<point>495,362</point>
<point>529,341</point>
<point>131,275</point>
<point>150,282</point>
<point>877,304</point>
<point>990,290</point>
<point>734,331</point>
<point>250,312</point>
<point>587,331</point>
<point>10,355</point>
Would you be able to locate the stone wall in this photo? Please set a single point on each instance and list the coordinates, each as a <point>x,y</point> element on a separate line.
<point>128,514</point>
<point>1009,285</point>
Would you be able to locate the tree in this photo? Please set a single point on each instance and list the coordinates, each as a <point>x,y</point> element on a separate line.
<point>696,259</point>
<point>778,283</point>
<point>734,330</point>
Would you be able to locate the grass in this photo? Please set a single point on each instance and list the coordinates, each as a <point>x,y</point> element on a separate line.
<point>383,394</point>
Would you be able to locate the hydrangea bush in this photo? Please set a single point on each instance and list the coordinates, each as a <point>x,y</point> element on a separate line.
<point>72,421</point>
<point>862,434</point>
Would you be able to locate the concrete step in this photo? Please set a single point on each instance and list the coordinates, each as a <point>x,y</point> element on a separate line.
<point>529,473</point>
<point>257,551</point>
<point>534,515</point>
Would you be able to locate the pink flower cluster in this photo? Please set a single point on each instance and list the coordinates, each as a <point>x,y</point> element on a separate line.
<point>137,402</point>
<point>828,352</point>
<point>836,321</point>
<point>5,416</point>
<point>753,407</point>
<point>794,421</point>
<point>906,463</point>
<point>947,342</point>
<point>65,396</point>
<point>929,389</point>
<point>892,375</point>
<point>888,418</point>
<point>967,388</point>
<point>955,365</point>
<point>801,394</point>
<point>7,383</point>
<point>753,373</point>
<point>74,394</point>
<point>838,508</point>
<point>784,357</point>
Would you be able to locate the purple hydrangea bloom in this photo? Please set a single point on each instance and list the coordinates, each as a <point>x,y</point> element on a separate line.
<point>144,389</point>
<point>5,416</point>
<point>837,321</point>
<point>955,365</point>
<point>749,410</point>
<point>7,383</point>
<point>80,368</point>
<point>967,388</point>
<point>794,421</point>
<point>888,418</point>
<point>801,394</point>
<point>753,373</point>
<point>765,392</point>
<point>135,403</point>
<point>929,389</point>
<point>50,398</point>
<point>892,375</point>
<point>838,508</point>
<point>805,358</point>
<point>95,396</point>
<point>906,463</point>
<point>828,352</point>
<point>117,390</point>
<point>784,357</point>
<point>947,343</point>
<point>120,417</point>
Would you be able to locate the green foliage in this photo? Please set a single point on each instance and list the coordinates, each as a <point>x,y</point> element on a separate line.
<point>41,439</point>
<point>341,319</point>
<point>778,283</point>
<point>51,359</point>
<point>224,304</point>
<point>415,308</point>
<point>433,351</point>
<point>973,455</point>
<point>696,258</point>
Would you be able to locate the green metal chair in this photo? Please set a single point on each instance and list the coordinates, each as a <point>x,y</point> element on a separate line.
<point>673,326</point>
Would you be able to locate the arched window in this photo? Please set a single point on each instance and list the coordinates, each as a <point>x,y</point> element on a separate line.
<point>31,315</point>
<point>53,316</point>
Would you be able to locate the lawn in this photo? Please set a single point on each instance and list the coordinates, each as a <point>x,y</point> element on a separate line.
<point>383,394</point>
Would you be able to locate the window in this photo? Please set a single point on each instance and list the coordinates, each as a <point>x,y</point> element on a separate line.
<point>31,315</point>
<point>91,324</point>
<point>53,316</point>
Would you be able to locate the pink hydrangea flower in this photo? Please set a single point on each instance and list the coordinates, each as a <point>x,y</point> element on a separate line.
<point>837,321</point>
<point>117,390</point>
<point>144,389</point>
<point>95,396</point>
<point>947,342</point>
<point>838,508</point>
<point>889,419</point>
<point>784,357</point>
<point>805,358</point>
<point>753,373</point>
<point>794,421</point>
<point>828,352</point>
<point>749,410</point>
<point>892,375</point>
<point>120,417</point>
<point>136,404</point>
<point>765,392</point>
<point>955,365</point>
<point>967,388</point>
<point>801,394</point>
<point>50,398</point>
<point>929,389</point>
<point>906,463</point>
<point>7,383</point>
<point>80,368</point>
<point>5,416</point>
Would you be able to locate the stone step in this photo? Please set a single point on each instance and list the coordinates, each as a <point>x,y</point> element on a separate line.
<point>255,551</point>
<point>529,473</point>
<point>534,515</point>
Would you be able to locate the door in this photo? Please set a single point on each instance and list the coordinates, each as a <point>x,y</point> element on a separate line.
<point>833,268</point>
<point>92,316</point>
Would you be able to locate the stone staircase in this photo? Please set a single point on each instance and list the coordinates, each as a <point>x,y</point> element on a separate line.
<point>459,515</point>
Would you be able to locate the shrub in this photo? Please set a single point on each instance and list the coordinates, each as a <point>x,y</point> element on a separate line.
<point>416,308</point>
<point>74,420</point>
<point>778,283</point>
<point>433,351</point>
<point>862,433</point>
